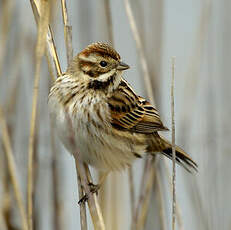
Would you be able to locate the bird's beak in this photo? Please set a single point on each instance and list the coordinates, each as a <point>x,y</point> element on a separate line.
<point>122,66</point>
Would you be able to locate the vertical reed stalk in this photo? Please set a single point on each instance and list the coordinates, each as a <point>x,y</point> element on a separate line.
<point>5,20</point>
<point>50,44</point>
<point>161,201</point>
<point>131,190</point>
<point>40,47</point>
<point>67,32</point>
<point>178,212</point>
<point>140,212</point>
<point>173,148</point>
<point>12,170</point>
<point>140,51</point>
<point>92,200</point>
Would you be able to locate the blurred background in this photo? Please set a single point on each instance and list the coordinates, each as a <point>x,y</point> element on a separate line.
<point>197,33</point>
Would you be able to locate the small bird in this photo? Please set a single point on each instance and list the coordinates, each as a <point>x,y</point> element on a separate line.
<point>98,115</point>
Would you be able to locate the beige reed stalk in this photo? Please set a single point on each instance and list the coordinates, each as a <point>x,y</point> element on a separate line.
<point>94,208</point>
<point>50,44</point>
<point>12,169</point>
<point>57,205</point>
<point>140,212</point>
<point>140,51</point>
<point>178,210</point>
<point>5,20</point>
<point>131,190</point>
<point>40,48</point>
<point>161,201</point>
<point>67,32</point>
<point>173,149</point>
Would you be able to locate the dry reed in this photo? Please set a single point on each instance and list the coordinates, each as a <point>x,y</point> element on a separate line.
<point>67,32</point>
<point>92,200</point>
<point>50,44</point>
<point>178,210</point>
<point>173,148</point>
<point>5,19</point>
<point>140,51</point>
<point>161,201</point>
<point>140,212</point>
<point>131,190</point>
<point>12,170</point>
<point>40,48</point>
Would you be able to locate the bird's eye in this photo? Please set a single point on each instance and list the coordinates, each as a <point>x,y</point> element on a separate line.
<point>103,63</point>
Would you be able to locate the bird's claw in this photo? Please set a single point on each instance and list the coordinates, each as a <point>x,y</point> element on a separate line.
<point>94,188</point>
<point>83,199</point>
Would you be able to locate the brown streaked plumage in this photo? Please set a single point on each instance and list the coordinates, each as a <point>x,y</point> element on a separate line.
<point>98,115</point>
<point>132,112</point>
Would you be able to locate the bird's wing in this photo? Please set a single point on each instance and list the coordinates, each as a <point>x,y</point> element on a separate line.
<point>133,113</point>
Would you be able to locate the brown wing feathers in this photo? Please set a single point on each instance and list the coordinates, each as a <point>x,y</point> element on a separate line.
<point>150,121</point>
<point>133,113</point>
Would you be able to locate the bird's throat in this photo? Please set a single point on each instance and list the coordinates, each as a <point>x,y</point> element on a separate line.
<point>108,85</point>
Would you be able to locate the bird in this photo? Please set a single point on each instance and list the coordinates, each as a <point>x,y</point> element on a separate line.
<point>98,116</point>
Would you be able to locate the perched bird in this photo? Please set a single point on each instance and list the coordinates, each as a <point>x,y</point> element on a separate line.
<point>99,116</point>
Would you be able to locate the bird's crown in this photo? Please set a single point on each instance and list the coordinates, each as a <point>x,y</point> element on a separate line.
<point>102,49</point>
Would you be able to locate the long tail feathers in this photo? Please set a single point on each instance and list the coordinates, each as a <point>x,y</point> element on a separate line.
<point>182,158</point>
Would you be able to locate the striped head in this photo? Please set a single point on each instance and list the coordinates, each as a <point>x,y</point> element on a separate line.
<point>100,65</point>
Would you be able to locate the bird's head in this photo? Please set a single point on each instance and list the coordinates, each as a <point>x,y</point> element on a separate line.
<point>100,64</point>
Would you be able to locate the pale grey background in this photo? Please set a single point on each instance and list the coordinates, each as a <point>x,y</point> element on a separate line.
<point>198,34</point>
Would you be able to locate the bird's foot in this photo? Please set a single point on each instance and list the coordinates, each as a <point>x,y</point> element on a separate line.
<point>94,188</point>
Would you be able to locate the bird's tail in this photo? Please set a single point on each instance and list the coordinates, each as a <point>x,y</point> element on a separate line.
<point>182,158</point>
